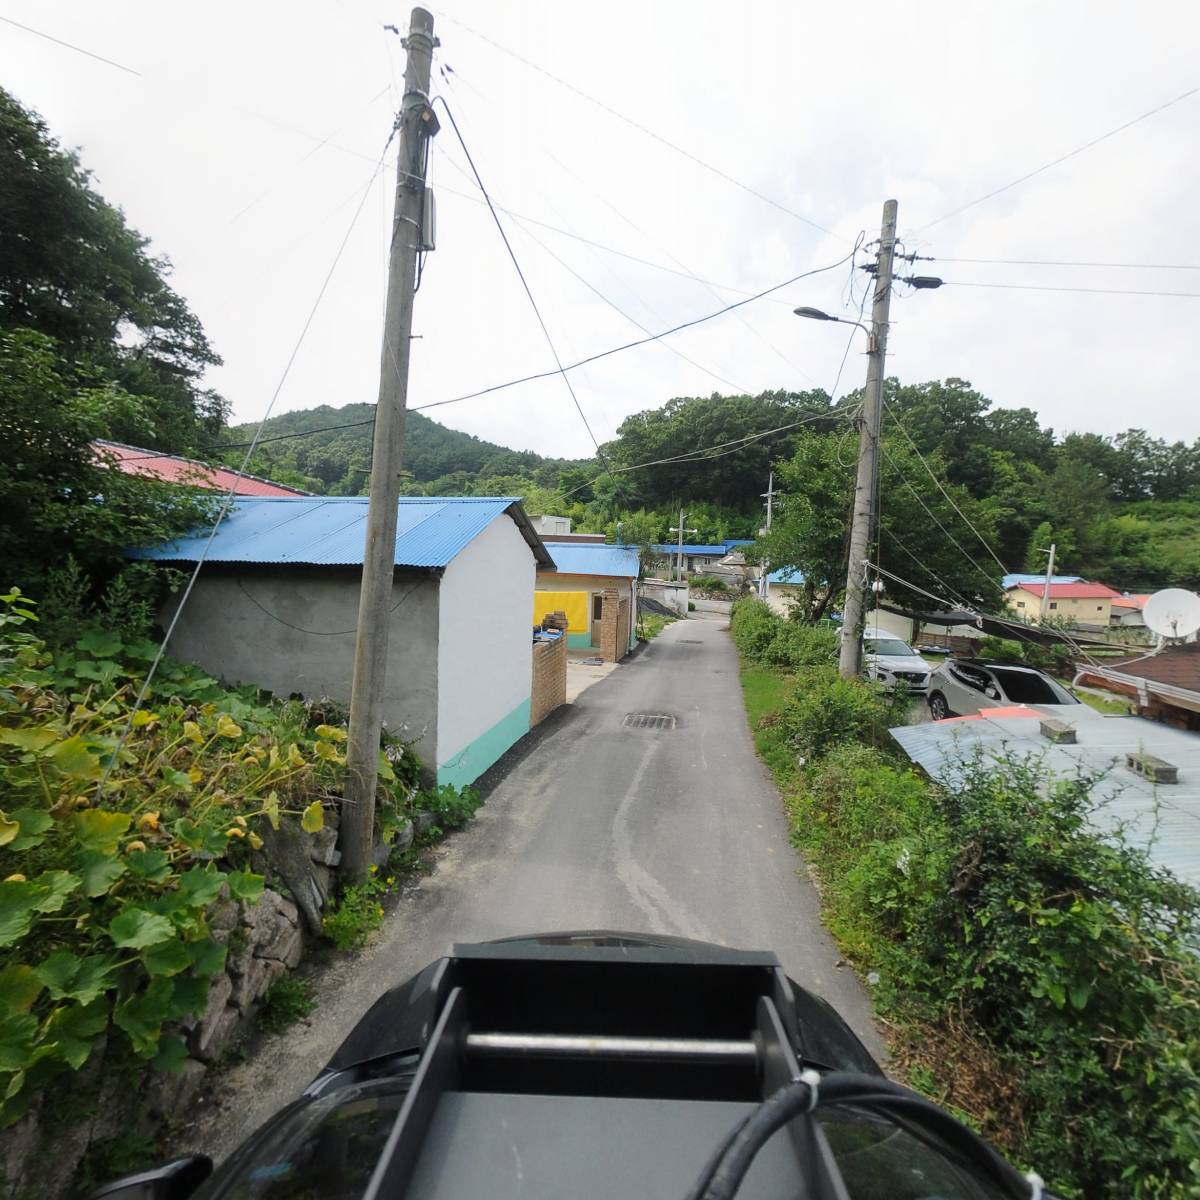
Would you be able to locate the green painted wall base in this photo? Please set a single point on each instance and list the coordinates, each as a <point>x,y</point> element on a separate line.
<point>475,758</point>
<point>579,641</point>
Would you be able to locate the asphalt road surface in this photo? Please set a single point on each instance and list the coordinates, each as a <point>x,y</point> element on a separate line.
<point>599,826</point>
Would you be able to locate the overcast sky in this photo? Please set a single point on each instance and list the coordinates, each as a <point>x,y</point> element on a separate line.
<point>243,146</point>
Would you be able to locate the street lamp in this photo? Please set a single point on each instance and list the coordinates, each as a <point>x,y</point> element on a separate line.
<point>816,314</point>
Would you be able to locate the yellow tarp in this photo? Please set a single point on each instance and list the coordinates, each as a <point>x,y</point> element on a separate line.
<point>574,604</point>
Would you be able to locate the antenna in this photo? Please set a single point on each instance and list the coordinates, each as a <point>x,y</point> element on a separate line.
<point>1173,613</point>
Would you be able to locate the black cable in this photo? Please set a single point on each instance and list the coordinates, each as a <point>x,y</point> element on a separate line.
<point>72,46</point>
<point>1041,287</point>
<point>537,312</point>
<point>283,437</point>
<point>1054,262</point>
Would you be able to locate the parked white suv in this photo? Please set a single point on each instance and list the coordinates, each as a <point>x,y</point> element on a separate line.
<point>895,663</point>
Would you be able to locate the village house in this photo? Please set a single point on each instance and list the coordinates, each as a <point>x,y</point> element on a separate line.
<point>171,468</point>
<point>1081,603</point>
<point>595,584</point>
<point>276,605</point>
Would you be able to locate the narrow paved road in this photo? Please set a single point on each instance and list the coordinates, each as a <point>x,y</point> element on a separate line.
<point>675,831</point>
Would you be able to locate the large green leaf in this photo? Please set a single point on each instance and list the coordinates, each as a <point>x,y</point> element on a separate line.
<point>172,1053</point>
<point>33,822</point>
<point>33,738</point>
<point>100,871</point>
<point>200,886</point>
<point>51,889</point>
<point>135,929</point>
<point>69,977</point>
<point>73,1028</point>
<point>313,817</point>
<point>102,672</point>
<point>102,643</point>
<point>176,779</point>
<point>17,1032</point>
<point>208,957</point>
<point>9,829</point>
<point>100,830</point>
<point>17,897</point>
<point>19,988</point>
<point>245,885</point>
<point>190,996</point>
<point>151,865</point>
<point>166,958</point>
<point>142,1016</point>
<point>76,760</point>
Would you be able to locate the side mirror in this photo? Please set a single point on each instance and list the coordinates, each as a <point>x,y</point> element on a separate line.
<point>176,1180</point>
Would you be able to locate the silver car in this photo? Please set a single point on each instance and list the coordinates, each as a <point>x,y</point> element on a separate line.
<point>961,687</point>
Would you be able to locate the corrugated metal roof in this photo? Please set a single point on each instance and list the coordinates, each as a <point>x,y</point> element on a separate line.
<point>174,469</point>
<point>785,576</point>
<point>1019,577</point>
<point>1165,820</point>
<point>672,548</point>
<point>593,558</point>
<point>1070,591</point>
<point>330,530</point>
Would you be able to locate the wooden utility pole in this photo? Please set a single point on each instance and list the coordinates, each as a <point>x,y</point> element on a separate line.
<point>415,125</point>
<point>863,521</point>
<point>681,531</point>
<point>769,495</point>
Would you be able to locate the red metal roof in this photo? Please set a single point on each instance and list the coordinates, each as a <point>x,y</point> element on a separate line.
<point>173,469</point>
<point>1138,602</point>
<point>1071,591</point>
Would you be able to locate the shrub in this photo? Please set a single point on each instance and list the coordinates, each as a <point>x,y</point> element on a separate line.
<point>796,646</point>
<point>1056,659</point>
<point>358,911</point>
<point>753,626</point>
<point>287,1001</point>
<point>691,606</point>
<point>826,709</point>
<point>451,807</point>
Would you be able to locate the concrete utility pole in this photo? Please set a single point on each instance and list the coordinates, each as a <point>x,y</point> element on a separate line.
<point>415,125</point>
<point>1049,581</point>
<point>863,521</point>
<point>769,495</point>
<point>681,531</point>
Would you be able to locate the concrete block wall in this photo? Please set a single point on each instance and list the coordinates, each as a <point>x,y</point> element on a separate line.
<point>549,678</point>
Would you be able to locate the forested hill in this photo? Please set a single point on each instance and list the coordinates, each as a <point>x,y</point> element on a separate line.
<point>337,461</point>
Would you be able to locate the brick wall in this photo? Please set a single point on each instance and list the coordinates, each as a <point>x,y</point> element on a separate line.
<point>610,650</point>
<point>549,678</point>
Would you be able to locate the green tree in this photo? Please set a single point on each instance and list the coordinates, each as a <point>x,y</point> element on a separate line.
<point>71,268</point>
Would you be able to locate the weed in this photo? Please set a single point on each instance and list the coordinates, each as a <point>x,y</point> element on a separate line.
<point>287,1001</point>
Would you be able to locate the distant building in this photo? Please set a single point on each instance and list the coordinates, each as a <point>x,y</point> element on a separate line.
<point>782,589</point>
<point>1165,686</point>
<point>171,468</point>
<point>1127,611</point>
<point>1080,603</point>
<point>1018,577</point>
<point>585,578</point>
<point>698,558</point>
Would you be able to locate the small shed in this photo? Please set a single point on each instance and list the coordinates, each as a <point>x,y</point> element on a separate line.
<point>583,573</point>
<point>276,605</point>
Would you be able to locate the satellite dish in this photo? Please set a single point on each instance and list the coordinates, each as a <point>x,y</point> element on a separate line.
<point>1173,613</point>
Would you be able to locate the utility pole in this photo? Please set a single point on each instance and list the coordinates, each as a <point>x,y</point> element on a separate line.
<point>681,531</point>
<point>863,520</point>
<point>1049,581</point>
<point>415,124</point>
<point>769,495</point>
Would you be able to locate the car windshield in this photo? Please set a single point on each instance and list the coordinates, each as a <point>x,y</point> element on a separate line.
<point>1030,687</point>
<point>892,646</point>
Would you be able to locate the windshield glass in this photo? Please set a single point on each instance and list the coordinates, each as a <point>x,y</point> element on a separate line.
<point>1027,687</point>
<point>885,645</point>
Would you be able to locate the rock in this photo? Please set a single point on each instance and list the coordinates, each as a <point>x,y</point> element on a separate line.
<point>287,909</point>
<point>220,1034</point>
<point>252,984</point>
<point>167,1093</point>
<point>289,851</point>
<point>223,919</point>
<point>324,847</point>
<point>425,822</point>
<point>18,1149</point>
<point>283,942</point>
<point>380,853</point>
<point>404,837</point>
<point>205,1040</point>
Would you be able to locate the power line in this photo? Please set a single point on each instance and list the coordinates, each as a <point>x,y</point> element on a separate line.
<point>72,46</point>
<point>1056,262</point>
<point>1038,287</point>
<point>227,502</point>
<point>262,441</point>
<point>926,568</point>
<point>983,541</point>
<point>641,128</point>
<point>524,282</point>
<point>950,604</point>
<point>1061,159</point>
<point>591,358</point>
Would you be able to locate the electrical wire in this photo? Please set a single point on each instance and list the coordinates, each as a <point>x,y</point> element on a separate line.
<point>1039,287</point>
<point>947,604</point>
<point>524,283</point>
<point>591,358</point>
<point>1061,159</point>
<point>983,541</point>
<point>71,46</point>
<point>959,601</point>
<point>227,502</point>
<point>283,437</point>
<point>1057,262</point>
<point>639,126</point>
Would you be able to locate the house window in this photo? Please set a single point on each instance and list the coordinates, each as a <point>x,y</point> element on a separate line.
<point>1053,603</point>
<point>1020,603</point>
<point>597,605</point>
<point>1099,607</point>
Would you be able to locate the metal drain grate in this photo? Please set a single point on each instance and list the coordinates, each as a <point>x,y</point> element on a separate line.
<point>648,721</point>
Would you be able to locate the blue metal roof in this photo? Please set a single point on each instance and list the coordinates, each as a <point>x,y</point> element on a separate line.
<point>330,530</point>
<point>784,575</point>
<point>1013,580</point>
<point>593,558</point>
<point>672,548</point>
<point>731,542</point>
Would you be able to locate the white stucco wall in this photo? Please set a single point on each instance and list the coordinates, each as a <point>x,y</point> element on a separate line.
<point>780,596</point>
<point>485,649</point>
<point>291,630</point>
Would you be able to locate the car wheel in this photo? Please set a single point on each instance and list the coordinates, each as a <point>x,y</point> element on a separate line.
<point>938,708</point>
